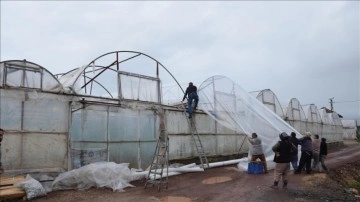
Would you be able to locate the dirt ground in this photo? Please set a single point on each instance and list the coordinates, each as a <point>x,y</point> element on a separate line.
<point>228,184</point>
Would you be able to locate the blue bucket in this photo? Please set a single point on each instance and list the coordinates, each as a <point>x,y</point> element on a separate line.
<point>255,168</point>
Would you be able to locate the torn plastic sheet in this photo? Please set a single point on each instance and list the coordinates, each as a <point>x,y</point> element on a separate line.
<point>231,106</point>
<point>99,174</point>
<point>32,187</point>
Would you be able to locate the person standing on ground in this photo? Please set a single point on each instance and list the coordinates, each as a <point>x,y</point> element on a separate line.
<point>256,150</point>
<point>282,159</point>
<point>316,151</point>
<point>1,137</point>
<point>191,92</point>
<point>306,154</point>
<point>323,154</point>
<point>294,152</point>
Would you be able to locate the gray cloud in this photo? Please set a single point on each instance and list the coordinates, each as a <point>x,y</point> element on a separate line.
<point>307,50</point>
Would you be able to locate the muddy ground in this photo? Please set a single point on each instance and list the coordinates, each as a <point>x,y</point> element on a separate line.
<point>227,184</point>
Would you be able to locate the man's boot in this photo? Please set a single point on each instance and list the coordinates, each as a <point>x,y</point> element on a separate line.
<point>275,185</point>
<point>285,183</point>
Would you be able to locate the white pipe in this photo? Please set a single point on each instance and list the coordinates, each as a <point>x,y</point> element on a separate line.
<point>189,165</point>
<point>181,170</point>
<point>224,163</point>
<point>164,175</point>
<point>191,168</point>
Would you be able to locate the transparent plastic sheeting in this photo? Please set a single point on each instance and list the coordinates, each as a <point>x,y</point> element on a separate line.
<point>231,106</point>
<point>68,79</point>
<point>18,76</point>
<point>269,99</point>
<point>100,174</point>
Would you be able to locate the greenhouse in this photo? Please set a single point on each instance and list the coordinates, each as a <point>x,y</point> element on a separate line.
<point>295,115</point>
<point>117,106</point>
<point>269,99</point>
<point>313,118</point>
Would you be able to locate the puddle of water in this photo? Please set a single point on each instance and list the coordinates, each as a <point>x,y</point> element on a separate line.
<point>215,180</point>
<point>175,199</point>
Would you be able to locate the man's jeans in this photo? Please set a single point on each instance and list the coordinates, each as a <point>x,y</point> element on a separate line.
<point>294,162</point>
<point>195,97</point>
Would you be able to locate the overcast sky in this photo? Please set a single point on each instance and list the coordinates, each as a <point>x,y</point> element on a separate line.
<point>307,50</point>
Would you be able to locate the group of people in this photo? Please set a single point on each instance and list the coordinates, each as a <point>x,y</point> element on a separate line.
<point>313,151</point>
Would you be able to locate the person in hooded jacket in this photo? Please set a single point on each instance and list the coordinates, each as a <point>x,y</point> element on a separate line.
<point>282,159</point>
<point>294,153</point>
<point>306,154</point>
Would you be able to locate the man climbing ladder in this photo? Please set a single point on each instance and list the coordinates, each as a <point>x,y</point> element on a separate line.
<point>191,91</point>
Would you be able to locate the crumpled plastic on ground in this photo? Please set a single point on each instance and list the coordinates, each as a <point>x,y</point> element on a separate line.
<point>99,174</point>
<point>32,187</point>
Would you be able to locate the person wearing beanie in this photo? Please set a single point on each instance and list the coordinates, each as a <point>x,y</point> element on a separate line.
<point>282,159</point>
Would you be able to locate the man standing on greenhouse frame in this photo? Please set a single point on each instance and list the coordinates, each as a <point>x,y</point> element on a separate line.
<point>191,91</point>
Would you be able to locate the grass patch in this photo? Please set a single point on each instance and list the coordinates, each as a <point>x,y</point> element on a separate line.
<point>354,184</point>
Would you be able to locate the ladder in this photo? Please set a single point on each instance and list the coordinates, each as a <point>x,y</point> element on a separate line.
<point>198,145</point>
<point>159,163</point>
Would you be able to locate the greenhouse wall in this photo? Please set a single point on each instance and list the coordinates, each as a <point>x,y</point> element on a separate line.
<point>216,139</point>
<point>349,129</point>
<point>113,133</point>
<point>332,128</point>
<point>129,134</point>
<point>36,125</point>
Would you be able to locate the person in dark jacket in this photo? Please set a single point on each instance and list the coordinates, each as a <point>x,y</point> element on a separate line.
<point>282,159</point>
<point>306,154</point>
<point>191,92</point>
<point>323,153</point>
<point>1,137</point>
<point>294,153</point>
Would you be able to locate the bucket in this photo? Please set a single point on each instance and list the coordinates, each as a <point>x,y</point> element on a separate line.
<point>255,168</point>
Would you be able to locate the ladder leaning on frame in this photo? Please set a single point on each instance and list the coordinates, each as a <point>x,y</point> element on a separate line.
<point>198,145</point>
<point>156,175</point>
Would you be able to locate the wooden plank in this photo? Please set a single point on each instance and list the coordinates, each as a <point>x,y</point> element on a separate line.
<point>4,181</point>
<point>11,193</point>
<point>7,187</point>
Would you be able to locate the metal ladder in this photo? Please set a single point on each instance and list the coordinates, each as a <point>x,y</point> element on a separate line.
<point>159,163</point>
<point>199,147</point>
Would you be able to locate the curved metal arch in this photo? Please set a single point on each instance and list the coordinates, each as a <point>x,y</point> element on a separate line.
<point>101,86</point>
<point>135,52</point>
<point>35,64</point>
